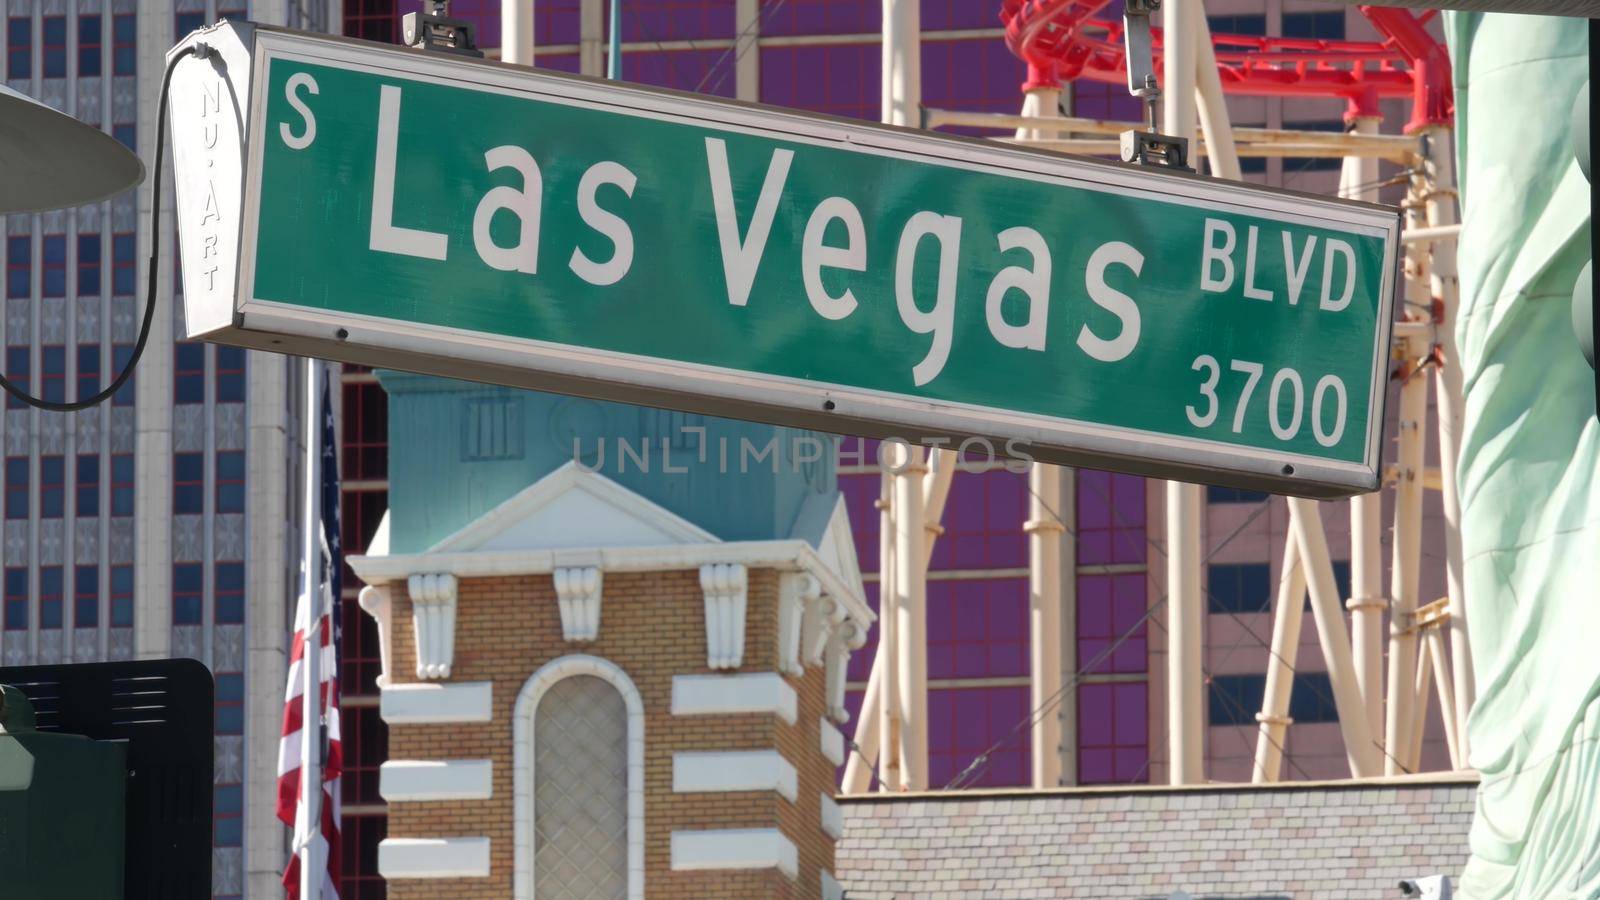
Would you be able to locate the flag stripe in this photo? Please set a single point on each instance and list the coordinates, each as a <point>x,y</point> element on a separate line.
<point>326,837</point>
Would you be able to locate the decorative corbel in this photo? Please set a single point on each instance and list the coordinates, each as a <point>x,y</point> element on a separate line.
<point>433,622</point>
<point>844,637</point>
<point>822,614</point>
<point>725,586</point>
<point>796,591</point>
<point>375,600</point>
<point>578,593</point>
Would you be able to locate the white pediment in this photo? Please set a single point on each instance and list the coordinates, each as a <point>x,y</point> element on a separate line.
<point>837,548</point>
<point>574,508</point>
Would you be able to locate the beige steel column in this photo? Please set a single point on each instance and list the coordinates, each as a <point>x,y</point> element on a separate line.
<point>516,31</point>
<point>747,50</point>
<point>902,62</point>
<point>1407,550</point>
<point>1274,718</point>
<point>591,38</point>
<point>1357,181</point>
<point>1185,739</point>
<point>1045,532</point>
<point>1447,702</point>
<point>1223,156</point>
<point>1422,691</point>
<point>1440,203</point>
<point>911,618</point>
<point>888,693</point>
<point>1044,621</point>
<point>1305,523</point>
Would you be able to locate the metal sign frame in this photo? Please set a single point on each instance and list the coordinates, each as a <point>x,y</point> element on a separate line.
<point>693,387</point>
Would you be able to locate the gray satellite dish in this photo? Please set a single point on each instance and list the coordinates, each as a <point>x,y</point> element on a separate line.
<point>49,160</point>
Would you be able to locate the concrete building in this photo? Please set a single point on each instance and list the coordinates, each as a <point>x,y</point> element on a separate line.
<point>138,529</point>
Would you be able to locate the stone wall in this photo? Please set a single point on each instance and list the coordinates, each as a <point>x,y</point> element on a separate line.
<point>1323,840</point>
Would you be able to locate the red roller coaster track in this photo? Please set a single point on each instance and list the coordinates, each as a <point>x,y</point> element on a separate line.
<point>1060,42</point>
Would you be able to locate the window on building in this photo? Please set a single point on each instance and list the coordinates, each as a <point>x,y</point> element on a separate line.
<point>88,45</point>
<point>230,481</point>
<point>585,719</point>
<point>1311,699</point>
<point>124,265</point>
<point>1239,587</point>
<point>189,21</point>
<point>1218,494</point>
<point>188,593</point>
<point>1235,699</point>
<point>121,596</point>
<point>88,370</point>
<point>54,32</point>
<point>985,509</point>
<point>19,364</point>
<point>89,265</point>
<point>230,707</point>
<point>1341,578</point>
<point>1322,26</point>
<point>230,593</point>
<point>122,484</point>
<point>188,483</point>
<point>16,614</point>
<point>88,482</point>
<point>230,374</point>
<point>1113,733</point>
<point>86,597</point>
<point>1112,631</point>
<point>17,487</point>
<point>124,44</point>
<point>1111,518</point>
<point>978,628</point>
<point>53,373</point>
<point>52,486</point>
<point>19,47</point>
<point>54,272</point>
<point>50,587</point>
<point>19,266</point>
<point>127,134</point>
<point>965,722</point>
<point>1253,25</point>
<point>120,355</point>
<point>189,372</point>
<point>372,20</point>
<point>227,800</point>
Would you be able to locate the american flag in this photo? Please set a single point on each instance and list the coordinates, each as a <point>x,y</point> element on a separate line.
<point>289,807</point>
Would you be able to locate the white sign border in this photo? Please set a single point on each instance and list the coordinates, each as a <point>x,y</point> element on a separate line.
<point>709,387</point>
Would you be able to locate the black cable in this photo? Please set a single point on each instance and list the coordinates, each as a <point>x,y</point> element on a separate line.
<point>201,51</point>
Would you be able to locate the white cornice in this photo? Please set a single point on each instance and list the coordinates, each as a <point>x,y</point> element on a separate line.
<point>782,555</point>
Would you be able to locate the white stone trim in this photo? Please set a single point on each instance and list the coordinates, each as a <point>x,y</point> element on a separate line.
<point>453,857</point>
<point>523,755</point>
<point>746,692</point>
<point>845,636</point>
<point>433,622</point>
<point>376,602</point>
<point>784,555</point>
<point>430,704</point>
<point>571,475</point>
<point>832,817</point>
<point>578,594</point>
<point>735,848</point>
<point>734,770</point>
<point>442,779</point>
<point>831,889</point>
<point>795,591</point>
<point>832,741</point>
<point>726,595</point>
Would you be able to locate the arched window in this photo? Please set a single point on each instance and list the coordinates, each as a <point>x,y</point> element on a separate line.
<point>579,783</point>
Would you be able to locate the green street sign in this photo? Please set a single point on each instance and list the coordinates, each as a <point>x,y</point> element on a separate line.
<point>489,222</point>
